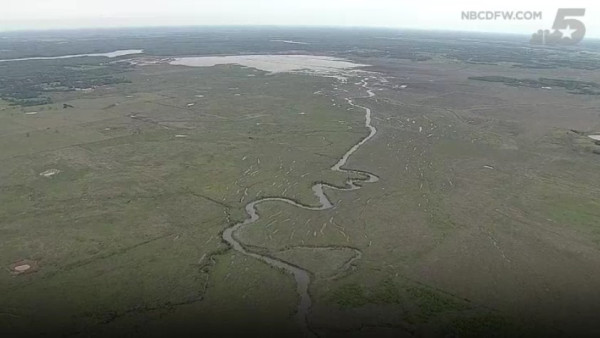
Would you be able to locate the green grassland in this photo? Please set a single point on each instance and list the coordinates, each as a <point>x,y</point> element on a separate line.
<point>134,216</point>
<point>484,221</point>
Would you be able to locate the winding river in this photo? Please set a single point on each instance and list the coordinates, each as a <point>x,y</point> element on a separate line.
<point>301,276</point>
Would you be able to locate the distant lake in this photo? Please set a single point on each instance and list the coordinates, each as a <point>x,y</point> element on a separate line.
<point>110,55</point>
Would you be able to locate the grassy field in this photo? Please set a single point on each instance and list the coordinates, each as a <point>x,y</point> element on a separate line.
<point>134,215</point>
<point>484,221</point>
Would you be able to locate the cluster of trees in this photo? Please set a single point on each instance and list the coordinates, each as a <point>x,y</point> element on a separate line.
<point>573,86</point>
<point>28,83</point>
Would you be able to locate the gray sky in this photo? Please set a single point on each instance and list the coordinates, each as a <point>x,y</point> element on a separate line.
<point>427,14</point>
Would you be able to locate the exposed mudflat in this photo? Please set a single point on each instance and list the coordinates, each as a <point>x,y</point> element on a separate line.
<point>273,63</point>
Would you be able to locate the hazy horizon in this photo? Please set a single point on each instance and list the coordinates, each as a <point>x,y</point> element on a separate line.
<point>27,15</point>
<point>266,26</point>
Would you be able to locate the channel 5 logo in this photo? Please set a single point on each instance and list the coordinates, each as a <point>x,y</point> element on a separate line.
<point>567,29</point>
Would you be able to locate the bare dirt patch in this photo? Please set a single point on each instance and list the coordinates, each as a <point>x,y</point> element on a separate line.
<point>24,267</point>
<point>50,172</point>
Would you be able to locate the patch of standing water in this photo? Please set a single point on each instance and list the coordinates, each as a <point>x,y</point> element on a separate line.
<point>50,173</point>
<point>114,54</point>
<point>292,42</point>
<point>319,65</point>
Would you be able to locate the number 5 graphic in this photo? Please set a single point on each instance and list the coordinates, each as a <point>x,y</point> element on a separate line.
<point>572,30</point>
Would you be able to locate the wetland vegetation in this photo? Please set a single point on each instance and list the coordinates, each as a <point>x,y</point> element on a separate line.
<point>402,192</point>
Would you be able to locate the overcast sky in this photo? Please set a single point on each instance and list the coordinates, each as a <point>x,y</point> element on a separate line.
<point>425,14</point>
